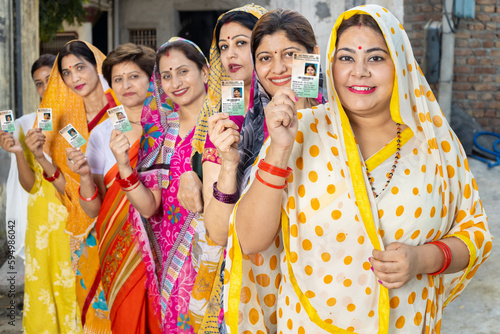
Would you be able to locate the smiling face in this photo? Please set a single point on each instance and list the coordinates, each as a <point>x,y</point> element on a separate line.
<point>310,71</point>
<point>181,79</point>
<point>236,93</point>
<point>41,79</point>
<point>236,57</point>
<point>130,84</point>
<point>363,71</point>
<point>79,75</point>
<point>273,61</point>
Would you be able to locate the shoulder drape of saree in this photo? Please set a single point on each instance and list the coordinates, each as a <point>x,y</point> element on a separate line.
<point>123,274</point>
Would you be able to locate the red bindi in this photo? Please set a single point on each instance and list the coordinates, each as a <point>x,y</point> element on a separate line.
<point>359,47</point>
<point>69,66</point>
<point>171,69</point>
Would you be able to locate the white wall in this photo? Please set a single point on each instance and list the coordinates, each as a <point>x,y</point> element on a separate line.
<point>84,30</point>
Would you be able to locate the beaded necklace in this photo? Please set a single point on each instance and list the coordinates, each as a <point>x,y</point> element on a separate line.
<point>396,158</point>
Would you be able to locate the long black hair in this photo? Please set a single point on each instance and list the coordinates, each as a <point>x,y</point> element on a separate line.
<point>46,59</point>
<point>245,19</point>
<point>77,48</point>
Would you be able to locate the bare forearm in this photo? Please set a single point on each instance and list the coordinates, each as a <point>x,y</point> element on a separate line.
<point>50,169</point>
<point>26,175</point>
<point>87,190</point>
<point>433,258</point>
<point>217,213</point>
<point>142,198</point>
<point>258,214</point>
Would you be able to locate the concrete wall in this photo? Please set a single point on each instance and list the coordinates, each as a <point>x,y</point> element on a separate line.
<point>30,42</point>
<point>30,50</point>
<point>163,15</point>
<point>147,14</point>
<point>84,30</point>
<point>7,100</point>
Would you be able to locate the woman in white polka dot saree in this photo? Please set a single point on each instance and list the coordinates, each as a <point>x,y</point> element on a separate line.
<point>378,174</point>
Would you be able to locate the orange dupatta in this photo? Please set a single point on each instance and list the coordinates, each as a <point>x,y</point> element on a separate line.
<point>123,274</point>
<point>68,108</point>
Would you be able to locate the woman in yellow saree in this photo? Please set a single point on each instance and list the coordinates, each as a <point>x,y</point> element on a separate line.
<point>77,96</point>
<point>49,288</point>
<point>380,224</point>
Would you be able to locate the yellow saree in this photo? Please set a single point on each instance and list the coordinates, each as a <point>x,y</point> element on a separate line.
<point>316,278</point>
<point>49,290</point>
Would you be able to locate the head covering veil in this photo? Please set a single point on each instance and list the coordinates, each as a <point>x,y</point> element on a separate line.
<point>217,74</point>
<point>160,121</point>
<point>68,108</point>
<point>449,197</point>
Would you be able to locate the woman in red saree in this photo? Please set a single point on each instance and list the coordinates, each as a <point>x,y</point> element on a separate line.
<point>122,273</point>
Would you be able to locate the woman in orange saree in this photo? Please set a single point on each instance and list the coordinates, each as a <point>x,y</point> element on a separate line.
<point>77,96</point>
<point>122,272</point>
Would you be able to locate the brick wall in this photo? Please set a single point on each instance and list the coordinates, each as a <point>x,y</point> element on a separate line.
<point>476,83</point>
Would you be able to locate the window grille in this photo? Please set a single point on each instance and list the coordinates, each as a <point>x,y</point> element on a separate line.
<point>146,37</point>
<point>56,44</point>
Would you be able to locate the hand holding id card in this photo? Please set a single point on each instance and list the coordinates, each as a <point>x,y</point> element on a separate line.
<point>72,136</point>
<point>44,116</point>
<point>233,99</point>
<point>119,119</point>
<point>7,121</point>
<point>305,74</point>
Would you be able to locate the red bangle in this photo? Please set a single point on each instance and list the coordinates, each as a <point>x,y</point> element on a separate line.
<point>128,182</point>
<point>90,199</point>
<point>447,255</point>
<point>269,184</point>
<point>266,167</point>
<point>132,187</point>
<point>53,177</point>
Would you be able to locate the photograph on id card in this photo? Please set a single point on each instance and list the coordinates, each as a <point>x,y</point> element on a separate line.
<point>305,74</point>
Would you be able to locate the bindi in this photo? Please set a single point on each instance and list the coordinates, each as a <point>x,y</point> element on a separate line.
<point>359,47</point>
<point>171,69</point>
<point>228,37</point>
<point>69,66</point>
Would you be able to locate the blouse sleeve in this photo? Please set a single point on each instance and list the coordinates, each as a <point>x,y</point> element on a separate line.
<point>471,226</point>
<point>95,153</point>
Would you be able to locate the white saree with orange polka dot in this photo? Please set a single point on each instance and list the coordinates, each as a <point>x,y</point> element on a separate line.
<point>316,277</point>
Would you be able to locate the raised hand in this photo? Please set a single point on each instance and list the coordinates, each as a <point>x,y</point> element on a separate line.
<point>120,147</point>
<point>281,119</point>
<point>35,139</point>
<point>10,143</point>
<point>77,161</point>
<point>225,136</point>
